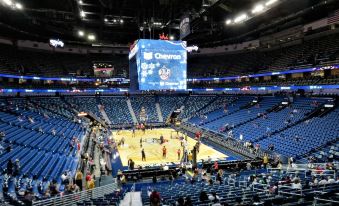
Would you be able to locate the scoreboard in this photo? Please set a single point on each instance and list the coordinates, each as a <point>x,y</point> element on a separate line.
<point>158,65</point>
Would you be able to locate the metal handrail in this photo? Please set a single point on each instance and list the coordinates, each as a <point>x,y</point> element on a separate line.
<point>316,199</point>
<point>72,199</point>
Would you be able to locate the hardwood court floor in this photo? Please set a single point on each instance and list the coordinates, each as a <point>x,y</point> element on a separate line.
<point>153,150</point>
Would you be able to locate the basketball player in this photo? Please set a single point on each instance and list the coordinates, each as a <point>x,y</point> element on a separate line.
<point>161,139</point>
<point>122,141</point>
<point>143,155</point>
<point>164,151</point>
<point>133,131</point>
<point>143,128</point>
<point>178,152</point>
<point>141,142</point>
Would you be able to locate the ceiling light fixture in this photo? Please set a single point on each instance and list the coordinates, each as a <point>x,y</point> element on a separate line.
<point>270,2</point>
<point>240,18</point>
<point>258,8</point>
<point>228,21</point>
<point>8,2</point>
<point>91,37</point>
<point>82,13</point>
<point>81,33</point>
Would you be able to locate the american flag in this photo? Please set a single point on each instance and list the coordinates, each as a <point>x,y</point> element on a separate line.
<point>333,18</point>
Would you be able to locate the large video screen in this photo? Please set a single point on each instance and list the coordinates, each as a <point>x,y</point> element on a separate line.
<point>161,65</point>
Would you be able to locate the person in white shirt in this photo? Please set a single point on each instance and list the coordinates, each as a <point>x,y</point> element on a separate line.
<point>314,181</point>
<point>213,197</point>
<point>241,137</point>
<point>330,180</point>
<point>64,177</point>
<point>296,185</point>
<point>323,181</point>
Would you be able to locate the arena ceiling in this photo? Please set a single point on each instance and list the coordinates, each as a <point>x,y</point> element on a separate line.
<point>123,21</point>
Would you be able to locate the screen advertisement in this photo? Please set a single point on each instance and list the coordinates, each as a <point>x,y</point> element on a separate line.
<point>161,65</point>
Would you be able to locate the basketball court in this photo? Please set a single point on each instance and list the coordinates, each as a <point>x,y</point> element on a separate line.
<point>153,149</point>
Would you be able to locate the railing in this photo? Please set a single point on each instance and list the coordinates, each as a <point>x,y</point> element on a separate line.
<point>72,199</point>
<point>318,200</point>
<point>299,171</point>
<point>289,190</point>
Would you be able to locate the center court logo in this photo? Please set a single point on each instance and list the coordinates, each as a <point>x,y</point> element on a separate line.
<point>148,55</point>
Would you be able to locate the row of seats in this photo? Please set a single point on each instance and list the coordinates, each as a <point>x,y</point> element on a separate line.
<point>41,138</point>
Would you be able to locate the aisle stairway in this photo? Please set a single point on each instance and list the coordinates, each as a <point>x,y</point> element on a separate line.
<point>130,108</point>
<point>160,117</point>
<point>103,113</point>
<point>132,199</point>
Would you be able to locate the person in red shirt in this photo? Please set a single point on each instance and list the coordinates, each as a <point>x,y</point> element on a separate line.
<point>216,166</point>
<point>164,151</point>
<point>88,179</point>
<point>155,198</point>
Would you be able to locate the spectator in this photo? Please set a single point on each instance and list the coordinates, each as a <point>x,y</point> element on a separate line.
<point>91,184</point>
<point>64,178</point>
<point>10,167</point>
<point>248,166</point>
<point>314,181</point>
<point>180,201</point>
<point>274,189</point>
<point>16,168</point>
<point>2,134</point>
<point>265,160</point>
<point>256,200</point>
<point>188,201</point>
<point>216,166</point>
<point>218,178</point>
<point>53,188</point>
<point>238,201</point>
<point>323,181</point>
<point>78,179</point>
<point>214,197</point>
<point>88,179</point>
<point>330,180</point>
<point>296,184</point>
<point>53,132</point>
<point>28,198</point>
<point>155,198</point>
<point>203,196</point>
<point>209,159</point>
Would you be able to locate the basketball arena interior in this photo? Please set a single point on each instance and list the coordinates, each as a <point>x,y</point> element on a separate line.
<point>169,102</point>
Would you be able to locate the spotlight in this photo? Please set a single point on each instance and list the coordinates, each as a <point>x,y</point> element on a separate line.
<point>80,2</point>
<point>82,13</point>
<point>171,37</point>
<point>228,21</point>
<point>106,20</point>
<point>269,2</point>
<point>121,21</point>
<point>114,20</point>
<point>258,8</point>
<point>91,37</point>
<point>240,18</point>
<point>81,33</point>
<point>8,2</point>
<point>18,6</point>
